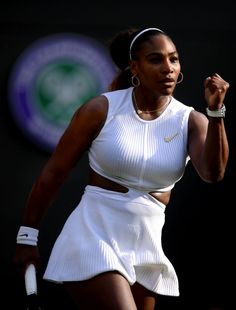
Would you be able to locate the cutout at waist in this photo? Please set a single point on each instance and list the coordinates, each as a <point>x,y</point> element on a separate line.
<point>96,179</point>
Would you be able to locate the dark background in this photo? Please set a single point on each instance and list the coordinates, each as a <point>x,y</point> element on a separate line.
<point>198,236</point>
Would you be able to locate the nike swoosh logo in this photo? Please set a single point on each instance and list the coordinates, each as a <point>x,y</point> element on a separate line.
<point>23,235</point>
<point>168,139</point>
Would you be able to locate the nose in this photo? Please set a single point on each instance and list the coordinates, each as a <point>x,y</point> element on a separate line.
<point>167,66</point>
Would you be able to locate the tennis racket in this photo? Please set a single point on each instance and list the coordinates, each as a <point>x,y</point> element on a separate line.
<point>31,288</point>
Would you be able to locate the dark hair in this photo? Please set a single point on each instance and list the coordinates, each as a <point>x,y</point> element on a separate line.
<point>119,47</point>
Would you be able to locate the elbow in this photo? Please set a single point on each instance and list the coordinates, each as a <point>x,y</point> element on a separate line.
<point>213,176</point>
<point>213,172</point>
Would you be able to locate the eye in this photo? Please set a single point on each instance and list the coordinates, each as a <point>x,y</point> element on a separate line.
<point>174,59</point>
<point>155,59</point>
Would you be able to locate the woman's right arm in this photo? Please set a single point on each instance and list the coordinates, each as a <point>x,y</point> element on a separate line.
<point>76,140</point>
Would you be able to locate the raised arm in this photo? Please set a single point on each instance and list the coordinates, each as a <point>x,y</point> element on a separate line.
<point>207,143</point>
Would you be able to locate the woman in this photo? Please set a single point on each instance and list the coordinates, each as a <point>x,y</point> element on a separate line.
<point>139,139</point>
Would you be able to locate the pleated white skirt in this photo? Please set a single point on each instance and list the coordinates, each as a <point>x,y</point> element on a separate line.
<point>108,231</point>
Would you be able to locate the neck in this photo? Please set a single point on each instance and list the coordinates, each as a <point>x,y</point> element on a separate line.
<point>159,110</point>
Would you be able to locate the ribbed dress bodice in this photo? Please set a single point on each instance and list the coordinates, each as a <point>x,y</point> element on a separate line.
<point>146,155</point>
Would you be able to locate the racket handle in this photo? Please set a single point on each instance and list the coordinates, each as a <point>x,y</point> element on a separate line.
<point>30,280</point>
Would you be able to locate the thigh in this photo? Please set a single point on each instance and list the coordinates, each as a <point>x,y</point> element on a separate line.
<point>109,290</point>
<point>144,299</point>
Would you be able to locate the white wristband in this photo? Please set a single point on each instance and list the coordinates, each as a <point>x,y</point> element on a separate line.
<point>27,235</point>
<point>216,113</point>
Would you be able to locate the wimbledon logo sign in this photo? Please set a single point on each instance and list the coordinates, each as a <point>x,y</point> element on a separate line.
<point>51,79</point>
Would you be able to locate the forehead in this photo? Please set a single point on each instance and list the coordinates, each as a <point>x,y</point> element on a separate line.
<point>158,44</point>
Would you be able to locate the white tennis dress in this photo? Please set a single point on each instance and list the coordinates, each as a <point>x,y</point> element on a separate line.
<point>110,230</point>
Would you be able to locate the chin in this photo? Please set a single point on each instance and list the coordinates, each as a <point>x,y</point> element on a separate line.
<point>167,92</point>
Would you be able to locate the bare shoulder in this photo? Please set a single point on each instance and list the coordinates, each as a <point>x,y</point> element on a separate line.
<point>84,126</point>
<point>197,120</point>
<point>93,112</point>
<point>97,105</point>
<point>197,130</point>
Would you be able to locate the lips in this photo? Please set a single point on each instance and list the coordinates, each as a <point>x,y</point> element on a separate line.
<point>167,82</point>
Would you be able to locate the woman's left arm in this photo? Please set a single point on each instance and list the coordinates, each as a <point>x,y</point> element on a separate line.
<point>207,143</point>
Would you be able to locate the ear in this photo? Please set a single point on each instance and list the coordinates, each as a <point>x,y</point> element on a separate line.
<point>133,67</point>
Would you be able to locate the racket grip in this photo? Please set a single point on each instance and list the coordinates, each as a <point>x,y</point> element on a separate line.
<point>30,280</point>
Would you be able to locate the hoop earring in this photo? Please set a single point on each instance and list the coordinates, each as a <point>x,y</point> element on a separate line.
<point>135,80</point>
<point>181,79</point>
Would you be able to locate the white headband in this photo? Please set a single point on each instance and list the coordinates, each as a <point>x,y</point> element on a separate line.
<point>138,35</point>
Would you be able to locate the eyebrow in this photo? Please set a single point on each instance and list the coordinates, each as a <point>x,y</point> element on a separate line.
<point>160,54</point>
